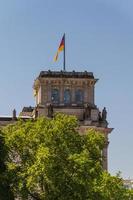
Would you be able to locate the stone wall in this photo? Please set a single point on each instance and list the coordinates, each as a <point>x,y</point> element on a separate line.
<point>43,88</point>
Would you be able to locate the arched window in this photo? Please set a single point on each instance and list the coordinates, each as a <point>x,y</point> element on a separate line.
<point>67,96</point>
<point>79,97</point>
<point>55,96</point>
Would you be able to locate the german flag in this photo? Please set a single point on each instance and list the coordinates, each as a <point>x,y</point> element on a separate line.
<point>60,48</point>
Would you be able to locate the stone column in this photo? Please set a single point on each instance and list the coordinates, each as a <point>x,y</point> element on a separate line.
<point>86,93</point>
<point>39,96</point>
<point>89,99</point>
<point>73,93</point>
<point>49,92</point>
<point>105,156</point>
<point>91,94</point>
<point>43,94</point>
<point>62,93</point>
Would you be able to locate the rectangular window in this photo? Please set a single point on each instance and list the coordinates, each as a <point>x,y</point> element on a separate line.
<point>67,96</point>
<point>79,96</point>
<point>55,96</point>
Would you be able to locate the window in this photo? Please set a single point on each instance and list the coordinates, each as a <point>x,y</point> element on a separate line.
<point>67,96</point>
<point>79,96</point>
<point>55,96</point>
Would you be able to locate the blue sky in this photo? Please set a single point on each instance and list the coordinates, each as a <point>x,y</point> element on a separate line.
<point>99,38</point>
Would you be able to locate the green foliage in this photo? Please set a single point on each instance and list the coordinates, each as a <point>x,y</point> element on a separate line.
<point>5,192</point>
<point>50,160</point>
<point>111,187</point>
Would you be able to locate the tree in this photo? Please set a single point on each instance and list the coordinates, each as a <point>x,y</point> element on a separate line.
<point>5,192</point>
<point>111,187</point>
<point>49,160</point>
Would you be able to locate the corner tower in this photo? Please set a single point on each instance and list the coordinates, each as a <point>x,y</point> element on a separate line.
<point>71,93</point>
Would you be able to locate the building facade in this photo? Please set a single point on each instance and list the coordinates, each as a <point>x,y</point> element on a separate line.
<point>72,93</point>
<point>128,183</point>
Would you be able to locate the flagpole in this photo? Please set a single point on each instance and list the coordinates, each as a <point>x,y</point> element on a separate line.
<point>64,61</point>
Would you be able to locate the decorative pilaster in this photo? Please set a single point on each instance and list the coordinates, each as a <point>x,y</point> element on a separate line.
<point>86,100</point>
<point>105,156</point>
<point>62,93</point>
<point>49,91</point>
<point>73,94</point>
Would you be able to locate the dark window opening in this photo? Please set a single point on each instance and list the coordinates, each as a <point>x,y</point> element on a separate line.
<point>55,96</point>
<point>67,96</point>
<point>79,97</point>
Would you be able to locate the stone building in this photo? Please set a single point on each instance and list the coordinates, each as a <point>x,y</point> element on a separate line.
<point>128,183</point>
<point>72,93</point>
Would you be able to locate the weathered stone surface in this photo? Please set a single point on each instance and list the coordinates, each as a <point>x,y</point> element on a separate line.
<point>72,93</point>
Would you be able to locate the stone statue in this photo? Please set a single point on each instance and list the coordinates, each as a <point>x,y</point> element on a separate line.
<point>87,113</point>
<point>50,111</point>
<point>14,117</point>
<point>36,113</point>
<point>104,114</point>
<point>99,116</point>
